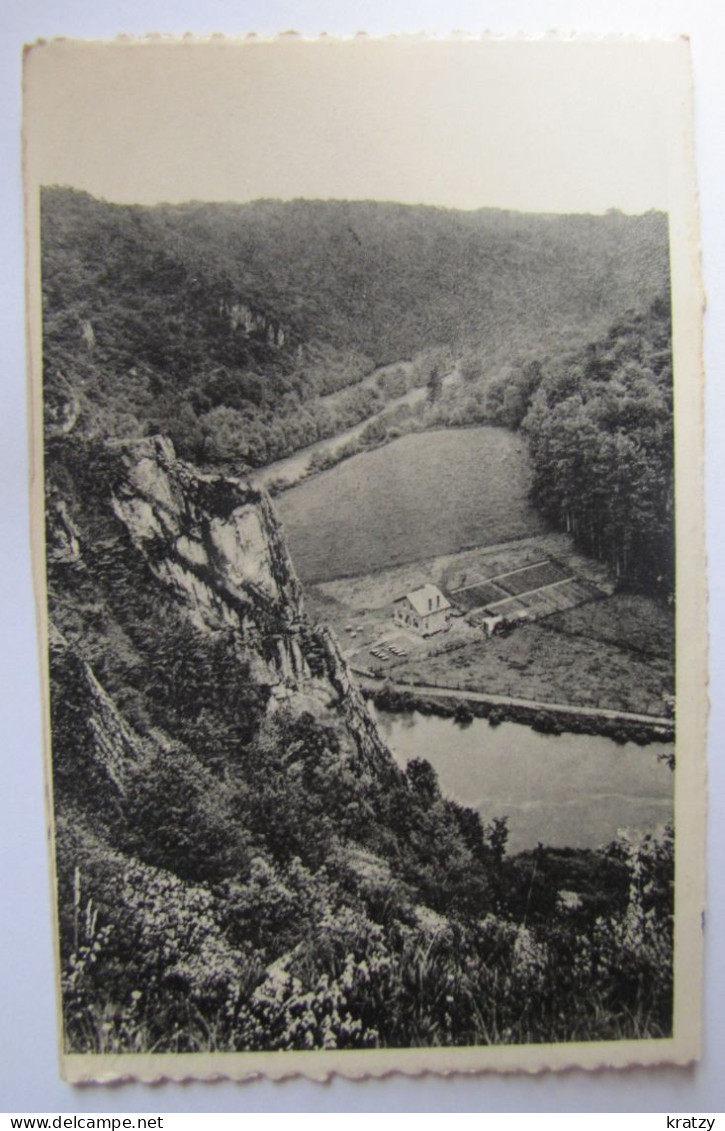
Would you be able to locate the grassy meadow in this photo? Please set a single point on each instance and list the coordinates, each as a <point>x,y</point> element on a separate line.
<point>422,495</point>
<point>555,667</point>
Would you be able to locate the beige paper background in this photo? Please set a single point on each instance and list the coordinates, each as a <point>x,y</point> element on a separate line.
<point>556,126</point>
<point>466,124</point>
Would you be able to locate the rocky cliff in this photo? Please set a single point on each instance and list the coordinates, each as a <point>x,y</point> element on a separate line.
<point>242,317</point>
<point>223,801</point>
<point>212,547</point>
<point>240,863</point>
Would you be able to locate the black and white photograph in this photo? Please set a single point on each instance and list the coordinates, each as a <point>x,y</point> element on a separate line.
<point>369,542</point>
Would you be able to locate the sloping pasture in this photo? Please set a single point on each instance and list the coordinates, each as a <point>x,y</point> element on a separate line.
<point>424,494</point>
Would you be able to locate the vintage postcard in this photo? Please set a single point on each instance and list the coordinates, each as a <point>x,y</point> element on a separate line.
<point>367,504</point>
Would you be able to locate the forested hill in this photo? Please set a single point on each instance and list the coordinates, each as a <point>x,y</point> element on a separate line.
<point>164,315</point>
<point>600,431</point>
<point>240,863</point>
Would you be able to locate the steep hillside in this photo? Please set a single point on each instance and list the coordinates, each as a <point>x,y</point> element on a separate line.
<point>240,863</point>
<point>211,757</point>
<point>223,325</point>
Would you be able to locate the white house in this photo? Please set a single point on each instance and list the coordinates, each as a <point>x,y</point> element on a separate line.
<point>426,610</point>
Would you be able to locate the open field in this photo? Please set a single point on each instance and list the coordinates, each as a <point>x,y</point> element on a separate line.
<point>372,528</point>
<point>613,651</point>
<point>536,663</point>
<point>629,621</point>
<point>424,494</point>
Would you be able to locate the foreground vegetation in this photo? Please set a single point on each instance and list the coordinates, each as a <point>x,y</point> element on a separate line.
<point>233,876</point>
<point>377,971</point>
<point>240,863</point>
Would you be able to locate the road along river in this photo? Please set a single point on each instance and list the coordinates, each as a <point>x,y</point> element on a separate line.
<point>292,469</point>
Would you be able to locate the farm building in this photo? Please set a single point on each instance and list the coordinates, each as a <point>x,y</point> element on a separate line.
<point>426,610</point>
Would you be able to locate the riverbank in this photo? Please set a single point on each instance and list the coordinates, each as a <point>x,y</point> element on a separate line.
<point>571,792</point>
<point>464,706</point>
<point>393,418</point>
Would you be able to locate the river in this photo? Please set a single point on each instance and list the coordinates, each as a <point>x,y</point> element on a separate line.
<point>292,469</point>
<point>561,790</point>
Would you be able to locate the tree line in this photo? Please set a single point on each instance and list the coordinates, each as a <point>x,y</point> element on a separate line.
<point>227,326</point>
<point>598,421</point>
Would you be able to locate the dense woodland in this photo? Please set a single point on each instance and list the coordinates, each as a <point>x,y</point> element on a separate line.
<point>599,426</point>
<point>211,320</point>
<point>244,331</point>
<point>600,431</point>
<point>257,882</point>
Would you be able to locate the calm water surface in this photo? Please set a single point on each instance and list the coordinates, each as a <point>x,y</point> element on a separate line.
<point>568,789</point>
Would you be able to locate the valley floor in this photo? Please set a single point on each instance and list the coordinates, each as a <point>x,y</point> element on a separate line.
<point>614,652</point>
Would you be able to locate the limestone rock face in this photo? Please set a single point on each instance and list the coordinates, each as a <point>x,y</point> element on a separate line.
<point>215,545</point>
<point>61,535</point>
<point>243,318</point>
<point>214,539</point>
